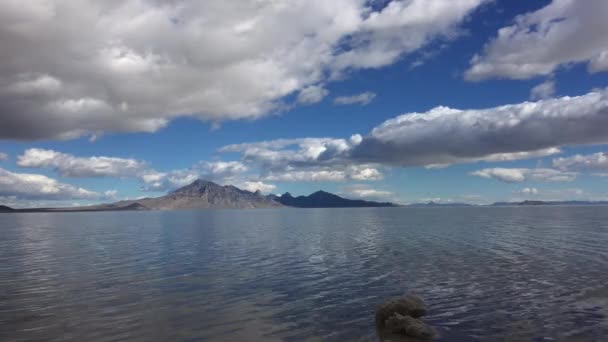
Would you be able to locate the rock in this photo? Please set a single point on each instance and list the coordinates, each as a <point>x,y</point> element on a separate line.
<point>409,326</point>
<point>409,305</point>
<point>395,324</point>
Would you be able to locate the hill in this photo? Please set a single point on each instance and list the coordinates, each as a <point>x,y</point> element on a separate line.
<point>323,199</point>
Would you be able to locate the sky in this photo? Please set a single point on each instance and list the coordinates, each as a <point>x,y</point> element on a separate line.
<point>473,101</point>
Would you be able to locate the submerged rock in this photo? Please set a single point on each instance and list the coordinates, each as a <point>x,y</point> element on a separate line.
<point>399,324</point>
<point>409,305</point>
<point>399,316</point>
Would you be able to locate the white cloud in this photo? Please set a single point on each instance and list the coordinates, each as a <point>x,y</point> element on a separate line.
<point>561,33</point>
<point>364,191</point>
<point>34,186</point>
<point>164,181</point>
<point>3,156</point>
<point>568,194</point>
<point>543,90</point>
<point>503,157</point>
<point>222,168</point>
<point>110,194</point>
<point>297,153</point>
<point>596,161</point>
<point>223,172</point>
<point>446,136</point>
<point>334,173</point>
<point>360,99</point>
<point>306,160</point>
<point>254,186</point>
<point>136,65</point>
<point>517,175</point>
<point>529,191</point>
<point>312,94</point>
<point>69,165</point>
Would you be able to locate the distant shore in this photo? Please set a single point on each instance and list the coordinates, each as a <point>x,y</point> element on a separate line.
<point>105,208</point>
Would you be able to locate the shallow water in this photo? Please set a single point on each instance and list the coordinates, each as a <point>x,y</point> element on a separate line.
<point>520,273</point>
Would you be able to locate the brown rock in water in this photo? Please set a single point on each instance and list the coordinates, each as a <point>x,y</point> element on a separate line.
<point>409,326</point>
<point>409,305</point>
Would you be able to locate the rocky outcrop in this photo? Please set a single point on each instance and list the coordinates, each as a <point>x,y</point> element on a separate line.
<point>399,316</point>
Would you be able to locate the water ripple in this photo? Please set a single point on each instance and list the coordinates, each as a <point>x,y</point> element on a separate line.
<point>292,275</point>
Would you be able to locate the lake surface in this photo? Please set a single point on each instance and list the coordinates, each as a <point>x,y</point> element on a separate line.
<point>520,273</point>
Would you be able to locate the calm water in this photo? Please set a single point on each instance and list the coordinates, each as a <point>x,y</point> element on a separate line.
<point>311,274</point>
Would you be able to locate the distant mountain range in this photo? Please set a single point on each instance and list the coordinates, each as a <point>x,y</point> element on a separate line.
<point>532,203</point>
<point>435,204</point>
<point>203,194</point>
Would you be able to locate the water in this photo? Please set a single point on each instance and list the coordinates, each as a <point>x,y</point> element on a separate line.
<point>522,273</point>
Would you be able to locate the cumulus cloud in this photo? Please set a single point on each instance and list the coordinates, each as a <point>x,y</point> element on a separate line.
<point>164,181</point>
<point>68,165</point>
<point>568,194</point>
<point>282,153</point>
<point>360,99</point>
<point>595,161</point>
<point>504,157</point>
<point>308,160</point>
<point>561,33</point>
<point>39,187</point>
<point>446,136</point>
<point>135,65</point>
<point>312,94</point>
<point>223,172</point>
<point>335,173</point>
<point>518,175</point>
<point>529,191</point>
<point>254,186</point>
<point>3,156</point>
<point>110,194</point>
<point>364,191</point>
<point>543,90</point>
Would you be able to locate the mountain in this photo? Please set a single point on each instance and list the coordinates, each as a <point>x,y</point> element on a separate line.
<point>322,199</point>
<point>527,202</point>
<point>533,203</point>
<point>5,209</point>
<point>203,194</point>
<point>435,204</point>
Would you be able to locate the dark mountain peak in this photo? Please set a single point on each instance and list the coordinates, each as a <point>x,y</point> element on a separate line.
<point>135,206</point>
<point>528,202</point>
<point>322,194</point>
<point>201,182</point>
<point>198,187</point>
<point>324,199</point>
<point>4,209</point>
<point>258,193</point>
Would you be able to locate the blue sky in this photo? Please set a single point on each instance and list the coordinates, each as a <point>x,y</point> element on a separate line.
<point>147,97</point>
